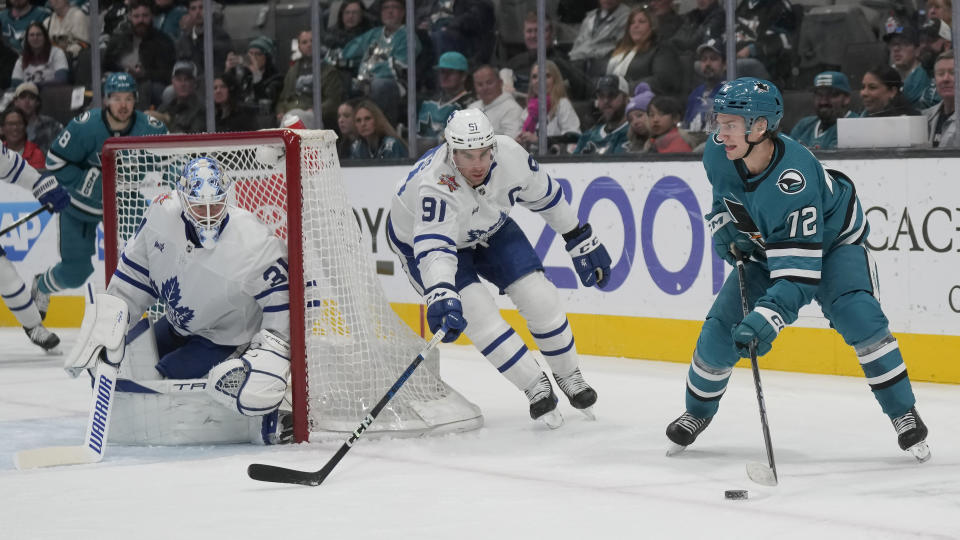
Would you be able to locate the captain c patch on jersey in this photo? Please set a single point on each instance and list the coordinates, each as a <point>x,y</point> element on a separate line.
<point>791,182</point>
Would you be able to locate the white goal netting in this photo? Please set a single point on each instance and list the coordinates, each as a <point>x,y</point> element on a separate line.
<point>353,344</point>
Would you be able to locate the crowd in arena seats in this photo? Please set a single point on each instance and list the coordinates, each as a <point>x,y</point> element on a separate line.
<point>622,76</point>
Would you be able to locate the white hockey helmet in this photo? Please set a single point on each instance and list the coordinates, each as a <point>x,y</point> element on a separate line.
<point>468,129</point>
<point>203,188</point>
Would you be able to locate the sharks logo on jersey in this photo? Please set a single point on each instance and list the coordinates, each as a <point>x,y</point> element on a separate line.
<point>171,297</point>
<point>743,222</point>
<point>791,182</point>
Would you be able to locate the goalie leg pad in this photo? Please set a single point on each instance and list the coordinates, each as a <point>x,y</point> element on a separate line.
<point>254,384</point>
<point>104,326</point>
<point>539,304</point>
<point>16,295</point>
<point>494,338</point>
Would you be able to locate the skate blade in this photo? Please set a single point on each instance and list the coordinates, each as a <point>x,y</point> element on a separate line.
<point>588,412</point>
<point>921,451</point>
<point>675,449</point>
<point>552,419</point>
<point>761,474</point>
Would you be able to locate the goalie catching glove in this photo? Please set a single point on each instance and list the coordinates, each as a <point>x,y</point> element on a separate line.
<point>254,384</point>
<point>590,258</point>
<point>445,310</point>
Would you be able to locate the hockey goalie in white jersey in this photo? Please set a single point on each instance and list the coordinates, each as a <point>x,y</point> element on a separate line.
<point>449,224</point>
<point>221,276</point>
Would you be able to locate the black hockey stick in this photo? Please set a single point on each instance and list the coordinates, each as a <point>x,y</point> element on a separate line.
<point>24,219</point>
<point>758,472</point>
<point>283,475</point>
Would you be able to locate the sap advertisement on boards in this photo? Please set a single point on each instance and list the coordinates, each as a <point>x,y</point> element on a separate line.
<point>650,217</point>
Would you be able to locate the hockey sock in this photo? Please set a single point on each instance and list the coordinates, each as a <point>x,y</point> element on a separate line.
<point>705,386</point>
<point>539,304</point>
<point>886,374</point>
<point>558,348</point>
<point>16,295</point>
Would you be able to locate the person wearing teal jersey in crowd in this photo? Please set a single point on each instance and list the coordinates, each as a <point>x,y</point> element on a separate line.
<point>831,100</point>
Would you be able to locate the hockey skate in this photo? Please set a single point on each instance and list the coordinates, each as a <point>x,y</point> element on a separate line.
<point>543,402</point>
<point>684,430</point>
<point>912,434</point>
<point>580,394</point>
<point>42,337</point>
<point>42,300</point>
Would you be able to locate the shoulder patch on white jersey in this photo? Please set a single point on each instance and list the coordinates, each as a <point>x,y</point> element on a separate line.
<point>450,181</point>
<point>791,182</point>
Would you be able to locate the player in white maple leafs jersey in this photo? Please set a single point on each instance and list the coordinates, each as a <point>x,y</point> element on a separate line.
<point>222,277</point>
<point>449,224</point>
<point>15,293</point>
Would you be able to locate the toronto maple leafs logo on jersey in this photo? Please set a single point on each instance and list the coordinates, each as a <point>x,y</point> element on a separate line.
<point>481,235</point>
<point>170,295</point>
<point>449,181</point>
<point>791,182</point>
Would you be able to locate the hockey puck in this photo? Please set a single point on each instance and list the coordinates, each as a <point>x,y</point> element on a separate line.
<point>735,494</point>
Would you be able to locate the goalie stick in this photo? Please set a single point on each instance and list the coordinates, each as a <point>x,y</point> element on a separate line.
<point>283,475</point>
<point>24,219</point>
<point>758,472</point>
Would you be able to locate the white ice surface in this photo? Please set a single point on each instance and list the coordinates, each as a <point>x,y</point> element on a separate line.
<point>841,472</point>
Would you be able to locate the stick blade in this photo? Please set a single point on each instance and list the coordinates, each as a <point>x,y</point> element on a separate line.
<point>762,474</point>
<point>54,456</point>
<point>283,475</point>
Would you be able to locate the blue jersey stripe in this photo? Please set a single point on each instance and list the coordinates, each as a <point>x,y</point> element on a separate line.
<point>275,309</point>
<point>554,202</point>
<point>284,287</point>
<point>143,287</point>
<point>135,266</point>
<point>513,360</point>
<point>444,239</point>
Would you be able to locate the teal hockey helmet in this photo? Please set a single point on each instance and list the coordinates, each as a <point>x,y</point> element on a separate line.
<point>750,98</point>
<point>119,81</point>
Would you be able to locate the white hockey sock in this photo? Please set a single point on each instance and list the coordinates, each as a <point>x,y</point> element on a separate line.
<point>539,304</point>
<point>558,348</point>
<point>16,295</point>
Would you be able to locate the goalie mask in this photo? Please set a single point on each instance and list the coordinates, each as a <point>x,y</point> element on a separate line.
<point>202,189</point>
<point>471,144</point>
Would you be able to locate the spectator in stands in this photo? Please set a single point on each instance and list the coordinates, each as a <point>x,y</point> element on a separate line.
<point>347,128</point>
<point>231,114</point>
<point>42,130</point>
<point>432,117</point>
<point>598,35</point>
<point>609,136</point>
<point>465,26</point>
<point>16,18</point>
<point>942,118</point>
<point>297,93</point>
<point>640,57</point>
<point>41,62</point>
<point>142,51</point>
<point>190,44</point>
<point>562,119</point>
<point>668,21</point>
<point>940,9</point>
<point>902,42</point>
<point>185,113</point>
<point>379,59</point>
<point>636,110</point>
<point>520,64</point>
<point>701,23</point>
<point>267,82</point>
<point>166,17</point>
<point>500,107</point>
<point>882,94</point>
<point>934,38</point>
<point>665,138</point>
<point>831,100</point>
<point>69,27</point>
<point>712,67</point>
<point>766,32</point>
<point>376,138</point>
<point>352,21</point>
<point>14,129</point>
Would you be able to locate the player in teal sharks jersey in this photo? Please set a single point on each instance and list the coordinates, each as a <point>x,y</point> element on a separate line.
<point>74,158</point>
<point>803,229</point>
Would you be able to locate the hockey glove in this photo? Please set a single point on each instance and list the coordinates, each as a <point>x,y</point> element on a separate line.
<point>50,193</point>
<point>724,232</point>
<point>444,309</point>
<point>762,324</point>
<point>590,259</point>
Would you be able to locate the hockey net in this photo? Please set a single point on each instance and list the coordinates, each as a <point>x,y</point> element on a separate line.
<point>348,345</point>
